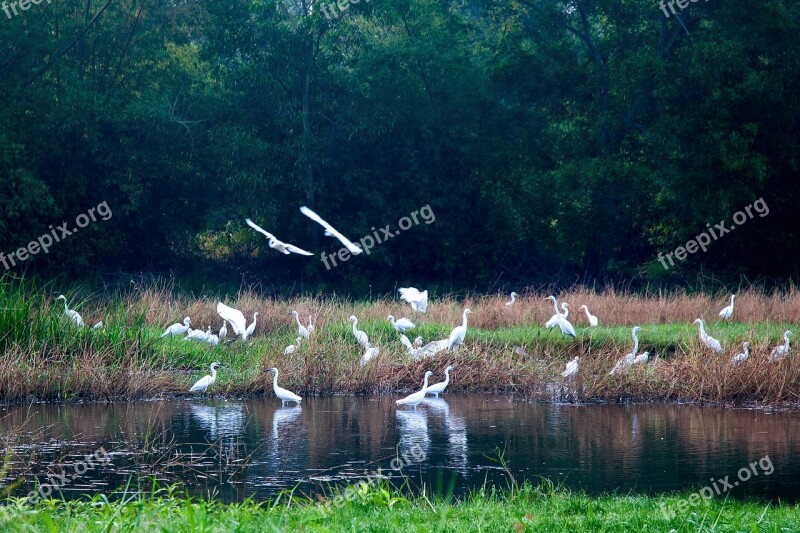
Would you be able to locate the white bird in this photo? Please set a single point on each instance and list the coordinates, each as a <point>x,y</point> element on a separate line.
<point>408,345</point>
<point>418,300</point>
<point>564,325</point>
<point>292,348</point>
<point>512,300</point>
<point>211,339</point>
<point>438,388</point>
<point>205,382</point>
<point>310,325</point>
<point>553,322</point>
<point>198,335</point>
<point>401,325</point>
<point>642,358</point>
<point>237,321</point>
<point>223,331</point>
<point>361,337</point>
<point>418,342</point>
<point>301,329</point>
<point>571,369</point>
<point>370,353</point>
<point>707,339</point>
<point>283,394</point>
<point>414,399</point>
<point>782,350</point>
<point>73,315</point>
<point>740,358</point>
<point>727,311</point>
<point>275,244</point>
<point>457,335</point>
<point>432,348</point>
<point>177,328</point>
<point>99,325</point>
<point>592,319</point>
<point>629,358</point>
<point>330,231</point>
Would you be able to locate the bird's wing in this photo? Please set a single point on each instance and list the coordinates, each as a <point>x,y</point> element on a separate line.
<point>409,293</point>
<point>406,342</point>
<point>294,249</point>
<point>259,229</point>
<point>330,230</point>
<point>234,316</point>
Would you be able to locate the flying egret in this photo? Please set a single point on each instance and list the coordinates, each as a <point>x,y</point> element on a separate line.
<point>370,353</point>
<point>512,300</point>
<point>418,300</point>
<point>438,388</point>
<point>330,231</point>
<point>237,321</point>
<point>740,358</point>
<point>73,315</point>
<point>177,328</point>
<point>414,399</point>
<point>283,394</point>
<point>707,339</point>
<point>205,382</point>
<point>781,350</point>
<point>589,316</point>
<point>457,335</point>
<point>727,311</point>
<point>275,244</point>
<point>292,348</point>
<point>401,325</point>
<point>629,358</point>
<point>361,337</point>
<point>301,329</point>
<point>571,369</point>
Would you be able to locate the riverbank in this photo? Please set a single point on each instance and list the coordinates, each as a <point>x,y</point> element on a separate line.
<point>46,357</point>
<point>367,508</point>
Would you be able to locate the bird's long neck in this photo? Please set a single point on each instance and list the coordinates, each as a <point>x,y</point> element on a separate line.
<point>297,318</point>
<point>355,323</point>
<point>213,373</point>
<point>425,383</point>
<point>786,338</point>
<point>275,380</point>
<point>446,376</point>
<point>746,350</point>
<point>702,329</point>
<point>464,319</point>
<point>587,312</point>
<point>635,342</point>
<point>565,310</point>
<point>555,305</point>
<point>66,309</point>
<point>732,298</point>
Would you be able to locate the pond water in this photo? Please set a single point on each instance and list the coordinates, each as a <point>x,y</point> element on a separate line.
<point>236,449</point>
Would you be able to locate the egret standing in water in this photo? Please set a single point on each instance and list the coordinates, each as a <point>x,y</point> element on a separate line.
<point>205,382</point>
<point>707,339</point>
<point>727,311</point>
<point>456,338</point>
<point>283,394</point>
<point>414,399</point>
<point>418,300</point>
<point>72,315</point>
<point>438,388</point>
<point>590,317</point>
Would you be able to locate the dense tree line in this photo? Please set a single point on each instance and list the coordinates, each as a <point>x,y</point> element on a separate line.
<point>555,141</point>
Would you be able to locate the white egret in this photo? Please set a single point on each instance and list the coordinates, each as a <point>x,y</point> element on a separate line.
<point>457,335</point>
<point>211,339</point>
<point>564,325</point>
<point>310,326</point>
<point>283,394</point>
<point>223,331</point>
<point>275,244</point>
<point>418,300</point>
<point>330,231</point>
<point>512,300</point>
<point>178,328</point>
<point>237,321</point>
<point>553,322</point>
<point>740,358</point>
<point>292,348</point>
<point>73,315</point>
<point>432,348</point>
<point>401,325</point>
<point>571,369</point>
<point>251,328</point>
<point>205,382</point>
<point>370,353</point>
<point>418,342</point>
<point>414,399</point>
<point>727,311</point>
<point>361,337</point>
<point>707,339</point>
<point>438,388</point>
<point>408,345</point>
<point>198,335</point>
<point>629,358</point>
<point>782,350</point>
<point>642,358</point>
<point>99,325</point>
<point>301,329</point>
<point>590,317</point>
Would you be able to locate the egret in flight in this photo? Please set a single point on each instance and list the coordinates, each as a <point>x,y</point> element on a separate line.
<point>205,382</point>
<point>73,315</point>
<point>727,311</point>
<point>237,321</point>
<point>456,338</point>
<point>301,329</point>
<point>418,300</point>
<point>512,300</point>
<point>330,231</point>
<point>707,339</point>
<point>361,337</point>
<point>401,325</point>
<point>782,350</point>
<point>283,394</point>
<point>438,388</point>
<point>275,244</point>
<point>414,399</point>
<point>590,317</point>
<point>740,358</point>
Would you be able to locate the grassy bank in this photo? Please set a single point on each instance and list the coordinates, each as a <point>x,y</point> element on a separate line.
<point>44,356</point>
<point>383,509</point>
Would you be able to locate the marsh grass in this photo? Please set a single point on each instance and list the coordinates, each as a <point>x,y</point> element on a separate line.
<point>46,357</point>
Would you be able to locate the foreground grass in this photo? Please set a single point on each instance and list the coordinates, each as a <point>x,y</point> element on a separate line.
<point>382,509</point>
<point>43,356</point>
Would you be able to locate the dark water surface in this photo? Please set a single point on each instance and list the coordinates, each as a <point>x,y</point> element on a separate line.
<point>239,448</point>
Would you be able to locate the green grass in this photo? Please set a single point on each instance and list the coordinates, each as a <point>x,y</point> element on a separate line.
<point>379,508</point>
